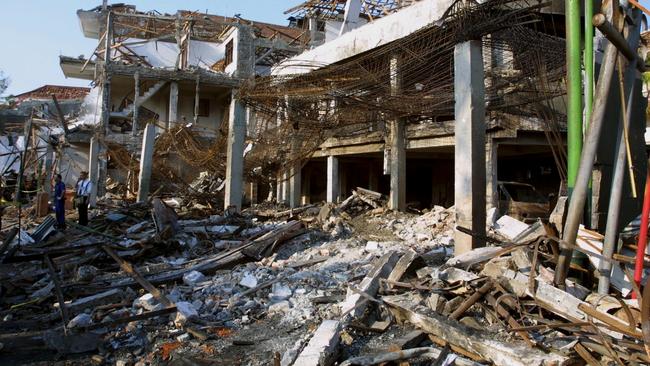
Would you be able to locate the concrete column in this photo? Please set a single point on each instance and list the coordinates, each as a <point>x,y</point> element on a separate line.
<point>136,105</point>
<point>278,188</point>
<point>491,174</point>
<point>196,100</point>
<point>272,190</point>
<point>333,188</point>
<point>286,188</point>
<point>173,104</point>
<point>397,199</point>
<point>313,31</point>
<point>235,159</point>
<point>351,16</point>
<point>146,162</point>
<point>470,181</point>
<point>93,168</point>
<point>295,183</point>
<point>253,189</point>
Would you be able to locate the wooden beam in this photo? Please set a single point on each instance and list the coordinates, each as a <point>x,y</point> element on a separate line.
<point>472,340</point>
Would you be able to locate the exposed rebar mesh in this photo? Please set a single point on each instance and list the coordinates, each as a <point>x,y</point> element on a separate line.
<point>524,69</point>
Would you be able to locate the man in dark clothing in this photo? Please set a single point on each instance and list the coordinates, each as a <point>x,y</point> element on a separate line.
<point>59,202</point>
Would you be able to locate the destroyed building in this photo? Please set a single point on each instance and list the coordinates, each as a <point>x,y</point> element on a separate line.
<point>379,181</point>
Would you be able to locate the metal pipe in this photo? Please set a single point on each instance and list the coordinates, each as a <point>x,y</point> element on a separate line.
<point>643,235</point>
<point>614,210</point>
<point>615,37</point>
<point>579,195</point>
<point>574,89</point>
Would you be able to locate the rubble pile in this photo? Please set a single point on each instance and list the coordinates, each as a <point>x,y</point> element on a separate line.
<point>349,284</point>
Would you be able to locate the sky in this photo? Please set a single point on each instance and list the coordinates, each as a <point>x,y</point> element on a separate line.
<point>36,32</point>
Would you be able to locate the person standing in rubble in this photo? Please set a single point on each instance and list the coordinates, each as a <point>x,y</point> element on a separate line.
<point>82,198</point>
<point>59,201</point>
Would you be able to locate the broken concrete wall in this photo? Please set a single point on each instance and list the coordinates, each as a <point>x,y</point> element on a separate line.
<point>163,54</point>
<point>74,160</point>
<point>159,103</point>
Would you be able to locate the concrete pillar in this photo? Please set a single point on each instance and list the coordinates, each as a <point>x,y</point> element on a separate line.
<point>470,181</point>
<point>136,105</point>
<point>196,100</point>
<point>351,16</point>
<point>286,188</point>
<point>491,173</point>
<point>173,104</point>
<point>278,188</point>
<point>146,162</point>
<point>295,185</point>
<point>93,168</point>
<point>397,199</point>
<point>313,31</point>
<point>333,188</point>
<point>253,189</point>
<point>235,159</point>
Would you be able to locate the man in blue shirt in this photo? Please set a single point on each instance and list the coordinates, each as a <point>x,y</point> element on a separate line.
<point>59,202</point>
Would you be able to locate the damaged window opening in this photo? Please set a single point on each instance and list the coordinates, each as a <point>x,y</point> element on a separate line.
<point>229,53</point>
<point>204,107</point>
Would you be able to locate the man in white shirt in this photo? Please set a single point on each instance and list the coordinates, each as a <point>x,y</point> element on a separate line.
<point>83,189</point>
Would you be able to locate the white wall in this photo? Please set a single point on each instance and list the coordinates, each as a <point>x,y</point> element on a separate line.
<point>164,54</point>
<point>333,28</point>
<point>367,37</point>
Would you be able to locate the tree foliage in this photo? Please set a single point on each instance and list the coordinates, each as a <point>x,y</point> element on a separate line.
<point>4,83</point>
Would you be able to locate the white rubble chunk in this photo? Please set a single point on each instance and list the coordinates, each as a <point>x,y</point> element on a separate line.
<point>281,307</point>
<point>81,320</point>
<point>184,312</point>
<point>475,256</point>
<point>280,292</point>
<point>137,227</point>
<point>147,302</point>
<point>510,227</point>
<point>372,246</point>
<point>248,280</point>
<point>322,347</point>
<point>193,277</point>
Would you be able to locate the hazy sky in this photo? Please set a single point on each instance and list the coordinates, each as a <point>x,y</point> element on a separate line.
<point>36,32</point>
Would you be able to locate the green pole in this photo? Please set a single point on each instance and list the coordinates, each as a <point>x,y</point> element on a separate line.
<point>589,84</point>
<point>589,61</point>
<point>574,90</point>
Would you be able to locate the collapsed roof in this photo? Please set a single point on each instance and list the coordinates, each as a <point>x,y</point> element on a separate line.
<point>333,9</point>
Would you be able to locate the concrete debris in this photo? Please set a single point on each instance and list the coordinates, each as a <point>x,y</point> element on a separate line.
<point>509,227</point>
<point>249,281</point>
<point>147,302</point>
<point>185,311</point>
<point>332,284</point>
<point>81,320</point>
<point>192,278</point>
